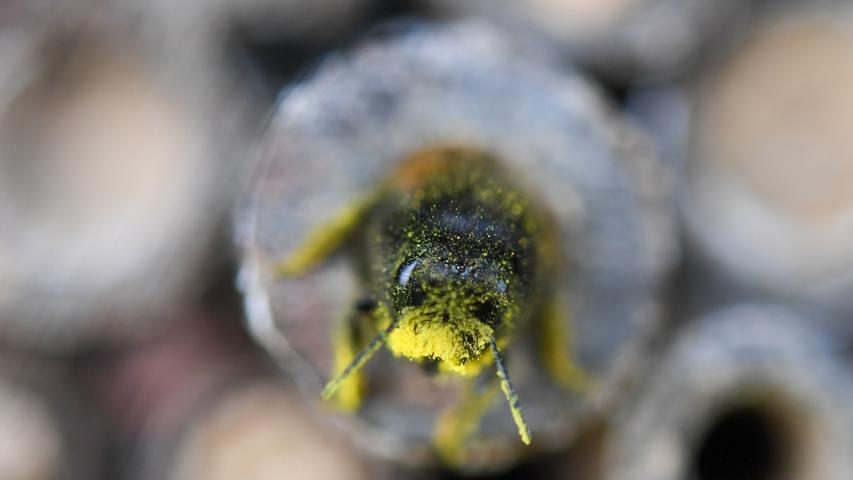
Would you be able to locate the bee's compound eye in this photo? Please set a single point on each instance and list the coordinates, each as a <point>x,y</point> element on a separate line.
<point>416,296</point>
<point>409,290</point>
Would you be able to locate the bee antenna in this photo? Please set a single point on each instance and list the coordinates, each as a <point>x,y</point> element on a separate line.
<point>511,395</point>
<point>358,362</point>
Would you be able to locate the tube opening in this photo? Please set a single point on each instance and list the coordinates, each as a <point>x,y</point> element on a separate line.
<point>746,442</point>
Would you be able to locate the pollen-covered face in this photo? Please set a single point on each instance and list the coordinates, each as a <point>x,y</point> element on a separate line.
<point>454,257</point>
<point>448,312</point>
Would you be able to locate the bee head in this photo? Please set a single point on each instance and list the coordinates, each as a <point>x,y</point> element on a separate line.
<point>448,311</point>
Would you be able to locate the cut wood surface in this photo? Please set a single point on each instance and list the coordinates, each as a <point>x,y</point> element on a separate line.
<point>50,430</point>
<point>768,187</point>
<point>340,132</point>
<point>747,392</point>
<point>116,164</point>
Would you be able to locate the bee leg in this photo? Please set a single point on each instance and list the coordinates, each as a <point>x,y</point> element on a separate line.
<point>554,347</point>
<point>324,240</point>
<point>458,423</point>
<point>349,337</point>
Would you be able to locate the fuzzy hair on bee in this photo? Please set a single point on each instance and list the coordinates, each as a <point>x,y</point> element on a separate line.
<point>454,259</point>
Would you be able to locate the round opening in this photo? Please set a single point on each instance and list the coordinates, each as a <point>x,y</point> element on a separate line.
<point>37,450</point>
<point>100,178</point>
<point>747,442</point>
<point>777,115</point>
<point>260,431</point>
<point>93,138</point>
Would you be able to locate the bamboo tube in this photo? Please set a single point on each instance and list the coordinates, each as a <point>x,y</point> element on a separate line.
<point>259,432</point>
<point>767,189</point>
<point>757,392</point>
<point>112,175</point>
<point>199,403</point>
<point>341,131</point>
<point>626,41</point>
<point>49,431</point>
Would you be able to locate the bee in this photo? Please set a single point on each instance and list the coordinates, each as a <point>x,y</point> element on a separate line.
<point>454,260</point>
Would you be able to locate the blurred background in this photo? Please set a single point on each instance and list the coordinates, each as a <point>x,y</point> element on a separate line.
<point>135,135</point>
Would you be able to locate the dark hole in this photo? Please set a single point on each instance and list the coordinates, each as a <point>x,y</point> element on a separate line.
<point>746,443</point>
<point>412,295</point>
